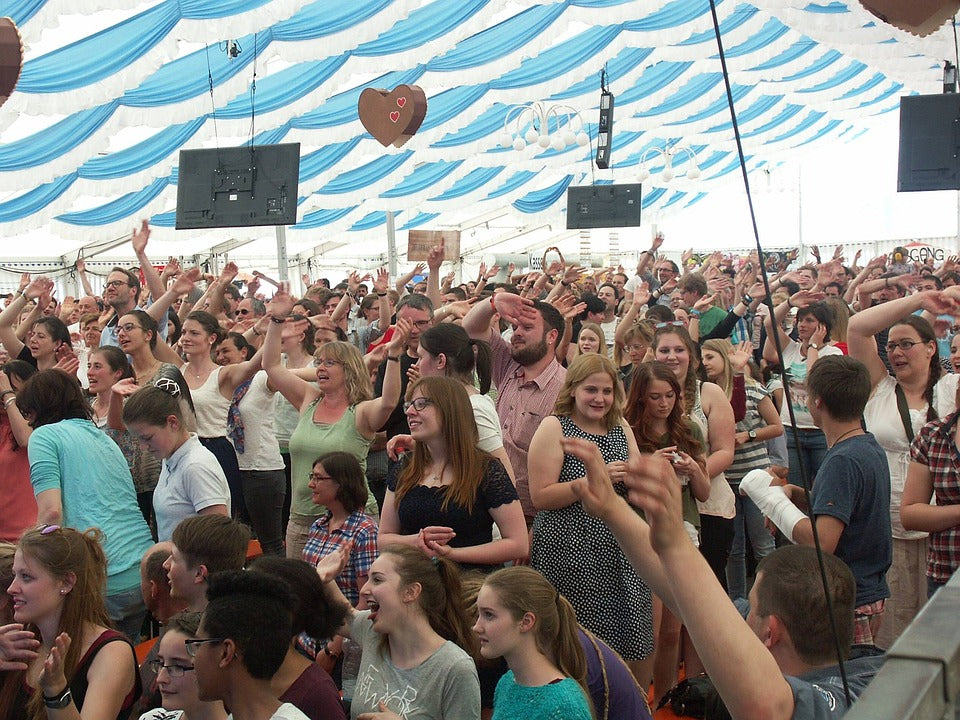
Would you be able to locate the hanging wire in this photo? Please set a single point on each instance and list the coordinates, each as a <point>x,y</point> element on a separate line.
<point>213,103</point>
<point>253,92</point>
<point>804,478</point>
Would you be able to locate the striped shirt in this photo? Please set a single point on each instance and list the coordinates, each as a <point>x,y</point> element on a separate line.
<point>752,455</point>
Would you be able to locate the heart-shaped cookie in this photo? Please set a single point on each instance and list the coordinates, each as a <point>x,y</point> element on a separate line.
<point>392,116</point>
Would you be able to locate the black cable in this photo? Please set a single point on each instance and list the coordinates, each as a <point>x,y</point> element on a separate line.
<point>213,102</point>
<point>253,92</point>
<point>775,336</point>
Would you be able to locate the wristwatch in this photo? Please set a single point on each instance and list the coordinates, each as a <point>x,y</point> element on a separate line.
<point>815,346</point>
<point>752,434</point>
<point>58,702</point>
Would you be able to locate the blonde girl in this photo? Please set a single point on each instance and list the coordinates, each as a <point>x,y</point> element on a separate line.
<point>523,619</point>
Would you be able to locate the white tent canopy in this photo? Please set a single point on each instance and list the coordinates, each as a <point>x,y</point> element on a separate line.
<point>112,90</point>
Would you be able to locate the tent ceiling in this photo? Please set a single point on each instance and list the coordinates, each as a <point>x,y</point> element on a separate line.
<point>113,89</point>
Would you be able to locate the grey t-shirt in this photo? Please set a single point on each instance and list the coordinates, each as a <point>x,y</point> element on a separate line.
<point>818,695</point>
<point>443,687</point>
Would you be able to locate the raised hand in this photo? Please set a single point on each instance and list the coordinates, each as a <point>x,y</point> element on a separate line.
<point>185,282</point>
<point>139,237</point>
<point>281,303</point>
<point>641,294</point>
<point>657,242</point>
<point>740,356</point>
<point>595,490</point>
<point>435,256</point>
<point>228,273</point>
<point>42,286</point>
<point>805,297</point>
<point>332,564</point>
<point>81,265</point>
<point>400,335</point>
<point>705,302</point>
<point>125,388</point>
<point>513,308</point>
<point>253,286</point>
<point>52,678</point>
<point>460,308</point>
<point>492,272</point>
<point>382,281</point>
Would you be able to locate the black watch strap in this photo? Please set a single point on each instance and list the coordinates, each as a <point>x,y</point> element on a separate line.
<point>58,702</point>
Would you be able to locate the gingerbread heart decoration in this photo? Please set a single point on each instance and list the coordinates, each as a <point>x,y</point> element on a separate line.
<point>11,57</point>
<point>392,116</point>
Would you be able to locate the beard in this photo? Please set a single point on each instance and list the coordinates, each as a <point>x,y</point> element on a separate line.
<point>530,353</point>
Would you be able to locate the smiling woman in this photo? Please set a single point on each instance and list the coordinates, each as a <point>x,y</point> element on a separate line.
<point>567,542</point>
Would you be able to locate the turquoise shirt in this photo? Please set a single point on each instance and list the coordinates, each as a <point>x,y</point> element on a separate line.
<point>96,488</point>
<point>563,700</point>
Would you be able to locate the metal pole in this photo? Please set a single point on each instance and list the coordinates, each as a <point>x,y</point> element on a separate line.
<point>282,269</point>
<point>391,246</point>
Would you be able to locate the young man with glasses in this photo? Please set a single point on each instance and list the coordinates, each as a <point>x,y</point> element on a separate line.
<point>241,643</point>
<point>122,290</point>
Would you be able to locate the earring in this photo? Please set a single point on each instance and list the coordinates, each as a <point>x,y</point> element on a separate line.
<point>62,591</point>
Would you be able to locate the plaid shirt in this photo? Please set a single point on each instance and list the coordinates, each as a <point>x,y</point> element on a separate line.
<point>934,448</point>
<point>359,528</point>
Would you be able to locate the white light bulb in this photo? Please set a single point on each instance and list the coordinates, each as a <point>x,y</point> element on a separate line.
<point>518,144</point>
<point>543,141</point>
<point>531,136</point>
<point>643,175</point>
<point>506,140</point>
<point>557,143</point>
<point>582,138</point>
<point>693,173</point>
<point>569,137</point>
<point>667,174</point>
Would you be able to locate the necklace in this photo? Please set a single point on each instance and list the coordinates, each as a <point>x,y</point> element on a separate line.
<point>436,479</point>
<point>851,430</point>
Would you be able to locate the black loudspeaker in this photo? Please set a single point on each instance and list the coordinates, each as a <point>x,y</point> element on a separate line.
<point>603,206</point>
<point>929,143</point>
<point>605,130</point>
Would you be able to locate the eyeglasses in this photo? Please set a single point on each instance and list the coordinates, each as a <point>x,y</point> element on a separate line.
<point>670,323</point>
<point>421,324</point>
<point>904,345</point>
<point>326,362</point>
<point>635,348</point>
<point>193,643</point>
<point>173,671</point>
<point>317,477</point>
<point>117,283</point>
<point>419,404</point>
<point>129,327</point>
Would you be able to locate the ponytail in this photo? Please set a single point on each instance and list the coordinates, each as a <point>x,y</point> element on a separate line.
<point>484,360</point>
<point>440,594</point>
<point>523,590</point>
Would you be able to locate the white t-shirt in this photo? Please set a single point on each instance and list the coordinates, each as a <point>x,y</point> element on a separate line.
<point>488,423</point>
<point>260,448</point>
<point>161,714</point>
<point>191,479</point>
<point>795,371</point>
<point>882,417</point>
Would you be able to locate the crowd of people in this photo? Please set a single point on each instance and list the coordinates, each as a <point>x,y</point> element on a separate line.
<point>536,496</point>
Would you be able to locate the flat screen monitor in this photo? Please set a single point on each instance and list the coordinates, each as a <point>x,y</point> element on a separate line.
<point>238,186</point>
<point>603,206</point>
<point>929,143</point>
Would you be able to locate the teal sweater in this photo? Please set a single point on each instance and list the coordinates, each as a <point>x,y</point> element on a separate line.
<point>563,700</point>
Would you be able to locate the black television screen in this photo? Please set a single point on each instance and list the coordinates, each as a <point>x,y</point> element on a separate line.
<point>603,206</point>
<point>929,143</point>
<point>238,186</point>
